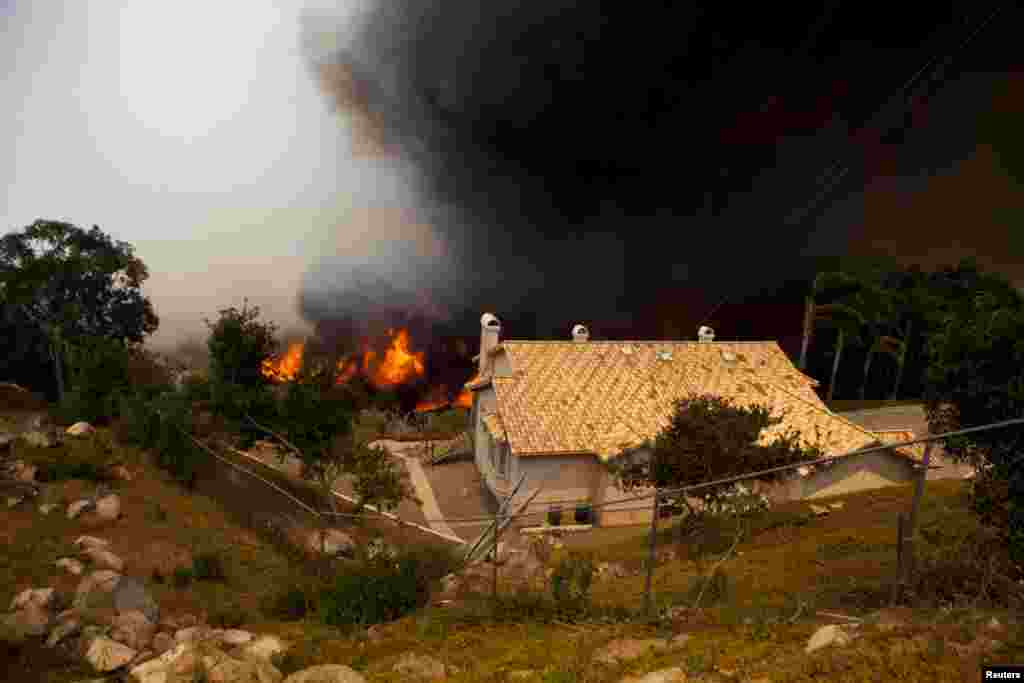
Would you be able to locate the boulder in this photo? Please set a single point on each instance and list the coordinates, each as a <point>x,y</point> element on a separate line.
<point>32,620</point>
<point>819,510</point>
<point>89,542</point>
<point>25,473</point>
<point>98,582</point>
<point>47,508</point>
<point>121,473</point>
<point>80,429</point>
<point>204,661</point>
<point>162,642</point>
<point>70,565</point>
<point>39,597</point>
<point>178,621</point>
<point>671,675</point>
<point>413,665</point>
<point>108,507</point>
<point>106,655</point>
<point>331,542</point>
<point>78,507</point>
<point>38,438</point>
<point>624,649</point>
<point>133,629</point>
<point>265,647</point>
<point>326,673</point>
<point>234,636</point>
<point>825,636</point>
<point>131,595</point>
<point>14,501</point>
<point>104,559</point>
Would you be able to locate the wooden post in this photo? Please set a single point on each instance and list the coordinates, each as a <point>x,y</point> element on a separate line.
<point>915,508</point>
<point>494,559</point>
<point>652,549</point>
<point>898,579</point>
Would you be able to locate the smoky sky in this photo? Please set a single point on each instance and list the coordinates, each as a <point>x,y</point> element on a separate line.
<point>591,161</point>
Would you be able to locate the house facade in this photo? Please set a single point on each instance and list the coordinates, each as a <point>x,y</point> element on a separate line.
<point>559,411</point>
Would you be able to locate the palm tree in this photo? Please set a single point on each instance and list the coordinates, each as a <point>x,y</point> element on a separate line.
<point>848,322</point>
<point>836,283</point>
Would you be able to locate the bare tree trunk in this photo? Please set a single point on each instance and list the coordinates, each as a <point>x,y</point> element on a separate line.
<point>867,371</point>
<point>808,324</point>
<point>58,370</point>
<point>901,361</point>
<point>835,364</point>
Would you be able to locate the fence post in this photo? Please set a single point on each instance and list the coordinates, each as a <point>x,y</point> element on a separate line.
<point>915,508</point>
<point>898,579</point>
<point>652,549</point>
<point>494,560</point>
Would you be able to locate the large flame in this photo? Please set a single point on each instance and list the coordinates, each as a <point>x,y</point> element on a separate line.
<point>398,366</point>
<point>284,368</point>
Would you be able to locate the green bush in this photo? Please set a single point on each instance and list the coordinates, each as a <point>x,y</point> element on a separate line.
<point>288,605</point>
<point>228,616</point>
<point>555,516</point>
<point>208,567</point>
<point>378,592</point>
<point>584,514</point>
<point>63,470</point>
<point>571,581</point>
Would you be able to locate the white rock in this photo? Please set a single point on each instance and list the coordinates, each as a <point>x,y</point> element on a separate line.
<point>266,646</point>
<point>47,508</point>
<point>836,506</point>
<point>413,665</point>
<point>78,507</point>
<point>71,565</point>
<point>26,473</point>
<point>87,542</point>
<point>106,655</point>
<point>234,636</point>
<point>14,501</point>
<point>40,597</point>
<point>104,559</point>
<point>109,506</point>
<point>825,636</point>
<point>326,673</point>
<point>672,675</point>
<point>80,428</point>
<point>133,629</point>
<point>331,542</point>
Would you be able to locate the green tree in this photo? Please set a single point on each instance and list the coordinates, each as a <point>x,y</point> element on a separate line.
<point>709,438</point>
<point>975,376</point>
<point>71,283</point>
<point>827,286</point>
<point>239,343</point>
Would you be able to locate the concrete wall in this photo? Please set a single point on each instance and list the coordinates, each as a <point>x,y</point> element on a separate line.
<point>859,473</point>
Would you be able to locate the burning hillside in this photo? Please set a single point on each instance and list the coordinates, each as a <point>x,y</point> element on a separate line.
<point>397,366</point>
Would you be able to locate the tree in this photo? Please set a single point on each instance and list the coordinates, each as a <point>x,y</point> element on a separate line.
<point>848,322</point>
<point>975,376</point>
<point>317,424</point>
<point>239,343</point>
<point>70,283</point>
<point>709,438</point>
<point>830,285</point>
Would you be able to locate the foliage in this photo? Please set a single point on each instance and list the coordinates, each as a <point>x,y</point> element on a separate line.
<point>69,283</point>
<point>208,566</point>
<point>239,343</point>
<point>379,591</point>
<point>290,604</point>
<point>710,438</point>
<point>976,377</point>
<point>182,576</point>
<point>554,516</point>
<point>163,425</point>
<point>571,581</point>
<point>584,514</point>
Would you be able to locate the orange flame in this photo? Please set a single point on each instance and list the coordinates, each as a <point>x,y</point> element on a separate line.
<point>284,368</point>
<point>399,365</point>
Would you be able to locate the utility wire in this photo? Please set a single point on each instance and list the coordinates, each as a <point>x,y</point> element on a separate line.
<point>837,170</point>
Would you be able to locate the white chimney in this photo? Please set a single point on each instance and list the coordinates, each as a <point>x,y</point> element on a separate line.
<point>490,328</point>
<point>580,333</point>
<point>706,334</point>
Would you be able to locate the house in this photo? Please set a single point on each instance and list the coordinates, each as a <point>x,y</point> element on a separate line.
<point>558,411</point>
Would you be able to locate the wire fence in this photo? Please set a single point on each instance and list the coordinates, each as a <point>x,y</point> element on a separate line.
<point>500,521</point>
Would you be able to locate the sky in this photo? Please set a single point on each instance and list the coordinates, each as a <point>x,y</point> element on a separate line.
<point>554,162</point>
<point>197,132</point>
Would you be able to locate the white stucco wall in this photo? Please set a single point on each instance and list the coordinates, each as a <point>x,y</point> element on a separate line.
<point>859,473</point>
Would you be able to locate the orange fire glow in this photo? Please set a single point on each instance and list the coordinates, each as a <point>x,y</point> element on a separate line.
<point>399,365</point>
<point>286,367</point>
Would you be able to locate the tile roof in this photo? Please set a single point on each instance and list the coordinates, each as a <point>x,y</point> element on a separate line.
<point>603,398</point>
<point>914,451</point>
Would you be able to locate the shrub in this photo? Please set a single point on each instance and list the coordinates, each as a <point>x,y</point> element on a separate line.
<point>710,590</point>
<point>63,470</point>
<point>377,592</point>
<point>288,605</point>
<point>157,577</point>
<point>228,616</point>
<point>554,516</point>
<point>182,577</point>
<point>208,567</point>
<point>571,581</point>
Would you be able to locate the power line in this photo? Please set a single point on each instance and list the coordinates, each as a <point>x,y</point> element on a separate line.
<point>836,171</point>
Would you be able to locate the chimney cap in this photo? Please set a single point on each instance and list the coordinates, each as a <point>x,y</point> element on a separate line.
<point>580,332</point>
<point>489,320</point>
<point>705,333</point>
